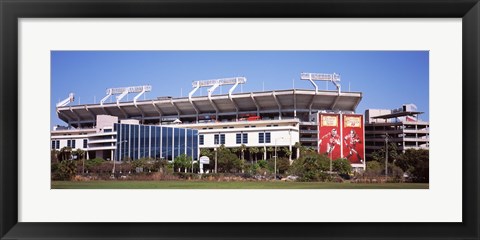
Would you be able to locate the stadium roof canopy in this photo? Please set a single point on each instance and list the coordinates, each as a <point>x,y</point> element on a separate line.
<point>398,114</point>
<point>239,103</point>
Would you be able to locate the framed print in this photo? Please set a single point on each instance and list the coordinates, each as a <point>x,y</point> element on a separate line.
<point>232,119</point>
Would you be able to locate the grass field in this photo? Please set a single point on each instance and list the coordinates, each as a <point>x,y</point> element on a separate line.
<point>228,185</point>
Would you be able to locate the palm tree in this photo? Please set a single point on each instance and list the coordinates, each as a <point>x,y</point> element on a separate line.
<point>235,150</point>
<point>243,147</point>
<point>287,151</point>
<point>270,150</point>
<point>262,151</point>
<point>54,156</point>
<point>297,146</point>
<point>255,151</point>
<point>204,152</point>
<point>250,150</point>
<point>81,154</point>
<point>66,153</point>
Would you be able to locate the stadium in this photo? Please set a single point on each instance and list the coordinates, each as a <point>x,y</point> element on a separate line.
<point>165,127</point>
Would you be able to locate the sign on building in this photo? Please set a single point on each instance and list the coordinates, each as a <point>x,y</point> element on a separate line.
<point>329,138</point>
<point>353,138</point>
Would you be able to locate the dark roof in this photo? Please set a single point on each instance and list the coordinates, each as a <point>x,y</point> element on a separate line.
<point>398,114</point>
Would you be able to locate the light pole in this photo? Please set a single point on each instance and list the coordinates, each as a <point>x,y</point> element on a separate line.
<point>386,156</point>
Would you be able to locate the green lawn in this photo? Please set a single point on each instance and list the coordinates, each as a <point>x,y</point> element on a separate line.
<point>228,185</point>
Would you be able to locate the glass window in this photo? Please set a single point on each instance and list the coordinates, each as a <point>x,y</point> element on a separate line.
<point>85,141</point>
<point>107,130</point>
<point>57,144</point>
<point>201,139</point>
<point>157,142</point>
<point>189,147</point>
<point>267,137</point>
<point>143,137</point>
<point>245,138</point>
<point>136,139</point>
<point>73,143</point>
<point>164,145</point>
<point>181,143</point>
<point>222,138</point>
<point>261,137</point>
<point>69,143</point>
<point>195,144</point>
<point>126,141</point>
<point>53,144</point>
<point>169,149</point>
<point>239,138</point>
<point>216,139</point>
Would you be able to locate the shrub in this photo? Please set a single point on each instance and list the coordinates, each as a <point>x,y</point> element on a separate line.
<point>342,166</point>
<point>64,170</point>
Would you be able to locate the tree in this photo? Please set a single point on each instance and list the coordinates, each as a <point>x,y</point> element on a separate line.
<point>270,150</point>
<point>283,164</point>
<point>235,150</point>
<point>342,166</point>
<point>182,161</point>
<point>54,154</point>
<point>415,163</point>
<point>255,151</point>
<point>262,151</point>
<point>374,169</point>
<point>310,167</point>
<point>243,147</point>
<point>297,146</point>
<point>64,170</point>
<point>287,151</point>
<point>206,152</point>
<point>379,155</point>
<point>250,151</point>
<point>228,161</point>
<point>80,155</point>
<point>65,153</point>
<point>92,165</point>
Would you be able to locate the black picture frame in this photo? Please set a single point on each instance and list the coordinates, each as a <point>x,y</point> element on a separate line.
<point>11,11</point>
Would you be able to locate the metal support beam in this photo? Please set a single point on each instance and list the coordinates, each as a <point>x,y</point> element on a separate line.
<point>230,95</point>
<point>190,98</point>
<point>256,104</point>
<point>65,115</point>
<point>356,103</point>
<point>76,115</point>
<point>136,106</point>
<point>105,98</point>
<point>335,101</point>
<point>123,111</point>
<point>176,108</point>
<point>294,103</point>
<point>311,103</point>
<point>210,91</point>
<point>160,113</point>
<point>279,106</point>
<point>93,115</point>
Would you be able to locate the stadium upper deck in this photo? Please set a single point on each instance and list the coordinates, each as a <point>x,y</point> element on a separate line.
<point>278,104</point>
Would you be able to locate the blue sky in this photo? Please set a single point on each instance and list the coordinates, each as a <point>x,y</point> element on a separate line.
<point>387,79</point>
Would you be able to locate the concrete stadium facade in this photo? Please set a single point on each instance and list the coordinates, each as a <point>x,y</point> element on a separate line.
<point>264,119</point>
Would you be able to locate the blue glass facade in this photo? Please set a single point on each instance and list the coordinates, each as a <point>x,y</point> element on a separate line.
<point>158,142</point>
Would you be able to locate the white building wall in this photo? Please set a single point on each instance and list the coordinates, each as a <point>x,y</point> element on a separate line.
<point>104,121</point>
<point>284,136</point>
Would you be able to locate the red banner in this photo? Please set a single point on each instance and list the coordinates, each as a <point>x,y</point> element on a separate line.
<point>353,138</point>
<point>329,137</point>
